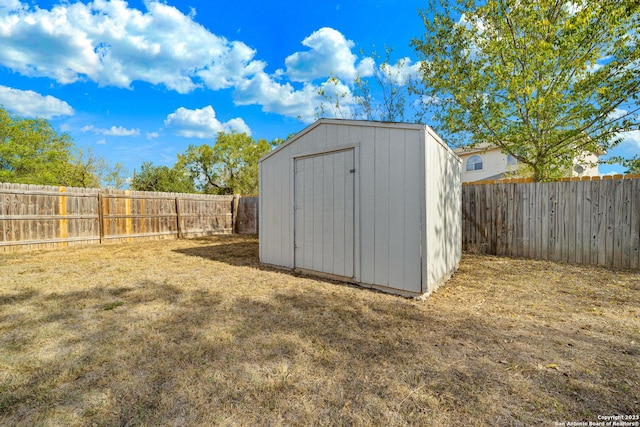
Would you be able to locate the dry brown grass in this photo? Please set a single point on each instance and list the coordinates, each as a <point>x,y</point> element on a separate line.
<point>196,332</point>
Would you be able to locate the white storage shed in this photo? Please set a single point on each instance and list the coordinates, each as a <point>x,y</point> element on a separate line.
<point>376,204</point>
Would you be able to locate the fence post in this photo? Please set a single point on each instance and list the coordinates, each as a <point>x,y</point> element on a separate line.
<point>257,216</point>
<point>64,223</point>
<point>129,221</point>
<point>101,217</point>
<point>234,213</point>
<point>179,219</point>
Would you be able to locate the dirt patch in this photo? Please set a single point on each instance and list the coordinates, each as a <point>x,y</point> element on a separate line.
<point>197,332</point>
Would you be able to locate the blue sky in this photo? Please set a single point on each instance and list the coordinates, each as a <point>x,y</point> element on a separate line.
<point>142,80</point>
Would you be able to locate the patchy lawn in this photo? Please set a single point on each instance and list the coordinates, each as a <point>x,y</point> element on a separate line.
<point>196,332</point>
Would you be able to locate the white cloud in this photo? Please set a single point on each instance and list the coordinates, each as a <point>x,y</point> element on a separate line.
<point>572,8</point>
<point>202,123</point>
<point>402,71</point>
<point>617,113</point>
<point>152,135</point>
<point>232,65</point>
<point>101,141</point>
<point>10,5</point>
<point>112,131</point>
<point>27,103</point>
<point>330,52</point>
<point>366,67</point>
<point>280,98</point>
<point>114,45</point>
<point>631,138</point>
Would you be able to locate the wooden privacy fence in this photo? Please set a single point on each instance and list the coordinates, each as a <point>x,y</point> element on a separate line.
<point>587,221</point>
<point>33,217</point>
<point>247,217</point>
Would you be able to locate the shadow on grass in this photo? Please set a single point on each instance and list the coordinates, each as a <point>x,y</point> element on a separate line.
<point>152,360</point>
<point>17,297</point>
<point>234,253</point>
<point>180,355</point>
<point>246,254</point>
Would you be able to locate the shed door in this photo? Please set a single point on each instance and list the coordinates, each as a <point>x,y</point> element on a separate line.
<point>324,213</point>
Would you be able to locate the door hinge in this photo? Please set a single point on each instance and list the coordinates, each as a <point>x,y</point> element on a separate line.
<point>352,171</point>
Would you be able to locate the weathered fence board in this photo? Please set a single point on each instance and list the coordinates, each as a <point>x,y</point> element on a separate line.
<point>577,221</point>
<point>634,241</point>
<point>247,217</point>
<point>38,217</point>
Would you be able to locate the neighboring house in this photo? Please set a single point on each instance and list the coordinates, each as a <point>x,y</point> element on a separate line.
<point>485,162</point>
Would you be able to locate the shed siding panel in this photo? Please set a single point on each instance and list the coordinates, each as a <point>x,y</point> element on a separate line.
<point>285,208</point>
<point>340,223</point>
<point>349,225</point>
<point>269,239</point>
<point>430,211</point>
<point>443,214</point>
<point>328,218</point>
<point>354,138</point>
<point>411,210</point>
<point>396,209</point>
<point>381,207</point>
<point>306,226</point>
<point>319,198</point>
<point>367,205</point>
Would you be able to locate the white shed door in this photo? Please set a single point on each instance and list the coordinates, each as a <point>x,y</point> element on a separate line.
<point>324,213</point>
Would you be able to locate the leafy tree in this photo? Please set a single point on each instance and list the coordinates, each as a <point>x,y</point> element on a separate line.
<point>385,96</point>
<point>632,164</point>
<point>84,170</point>
<point>162,178</point>
<point>115,176</point>
<point>543,80</point>
<point>32,152</point>
<point>230,166</point>
<point>87,170</point>
<point>336,98</point>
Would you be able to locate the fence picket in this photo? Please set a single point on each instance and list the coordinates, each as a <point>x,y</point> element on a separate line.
<point>578,221</point>
<point>634,261</point>
<point>588,221</point>
<point>37,217</point>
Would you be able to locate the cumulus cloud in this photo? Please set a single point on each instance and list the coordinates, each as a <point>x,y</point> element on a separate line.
<point>202,123</point>
<point>27,103</point>
<point>330,53</point>
<point>112,131</point>
<point>402,71</point>
<point>631,138</point>
<point>232,65</point>
<point>114,45</point>
<point>280,98</point>
<point>10,5</point>
<point>366,67</point>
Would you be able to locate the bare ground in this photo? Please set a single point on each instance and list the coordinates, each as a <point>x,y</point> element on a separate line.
<point>196,332</point>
